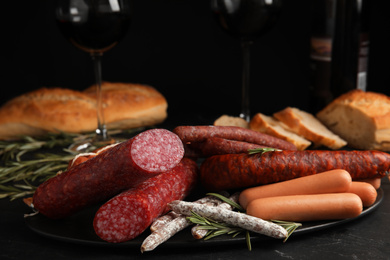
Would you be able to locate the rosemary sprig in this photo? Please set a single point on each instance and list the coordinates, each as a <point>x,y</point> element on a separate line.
<point>289,226</point>
<point>262,150</point>
<point>227,200</point>
<point>16,149</point>
<point>22,163</point>
<point>29,172</point>
<point>217,228</point>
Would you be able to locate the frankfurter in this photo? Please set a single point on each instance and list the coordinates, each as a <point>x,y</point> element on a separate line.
<point>192,134</point>
<point>326,182</point>
<point>109,173</point>
<point>375,182</point>
<point>365,191</point>
<point>233,171</point>
<point>300,208</point>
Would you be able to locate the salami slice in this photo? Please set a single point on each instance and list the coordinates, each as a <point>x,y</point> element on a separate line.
<point>109,172</point>
<point>128,214</point>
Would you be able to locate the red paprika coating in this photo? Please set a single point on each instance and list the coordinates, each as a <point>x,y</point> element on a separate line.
<point>232,171</point>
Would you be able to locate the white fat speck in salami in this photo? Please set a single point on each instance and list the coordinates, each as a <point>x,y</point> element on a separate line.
<point>157,150</point>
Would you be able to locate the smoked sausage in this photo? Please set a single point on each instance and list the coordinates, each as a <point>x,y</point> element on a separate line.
<point>191,134</point>
<point>109,173</point>
<point>232,171</point>
<point>128,214</point>
<point>216,146</point>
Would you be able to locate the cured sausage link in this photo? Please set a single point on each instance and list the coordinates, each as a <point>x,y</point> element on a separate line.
<point>162,233</point>
<point>199,233</point>
<point>232,171</point>
<point>189,134</point>
<point>230,217</point>
<point>128,214</point>
<point>109,173</point>
<point>216,146</point>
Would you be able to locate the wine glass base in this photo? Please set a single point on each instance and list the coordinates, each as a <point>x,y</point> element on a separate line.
<point>81,146</point>
<point>245,117</point>
<point>89,144</point>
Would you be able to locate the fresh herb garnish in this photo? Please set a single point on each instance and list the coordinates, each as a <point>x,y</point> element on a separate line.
<point>262,150</point>
<point>217,228</point>
<point>30,161</point>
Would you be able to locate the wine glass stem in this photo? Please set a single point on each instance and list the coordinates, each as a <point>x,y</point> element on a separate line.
<point>245,106</point>
<point>101,131</point>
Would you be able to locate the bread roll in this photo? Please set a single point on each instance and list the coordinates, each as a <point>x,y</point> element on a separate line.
<point>131,105</point>
<point>308,126</point>
<point>361,118</point>
<point>59,109</point>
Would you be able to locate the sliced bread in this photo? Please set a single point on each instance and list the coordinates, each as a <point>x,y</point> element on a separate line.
<point>305,124</point>
<point>269,125</point>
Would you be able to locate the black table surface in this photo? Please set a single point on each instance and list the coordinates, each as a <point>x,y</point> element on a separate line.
<point>367,237</point>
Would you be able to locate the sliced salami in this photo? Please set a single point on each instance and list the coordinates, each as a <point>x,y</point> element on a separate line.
<point>109,172</point>
<point>128,214</point>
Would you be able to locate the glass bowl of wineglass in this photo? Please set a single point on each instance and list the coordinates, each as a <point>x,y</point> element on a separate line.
<point>246,20</point>
<point>94,26</point>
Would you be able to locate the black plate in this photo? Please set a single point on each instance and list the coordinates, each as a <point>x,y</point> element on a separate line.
<point>78,229</point>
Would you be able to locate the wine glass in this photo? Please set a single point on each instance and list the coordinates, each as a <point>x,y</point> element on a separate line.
<point>94,26</point>
<point>246,20</point>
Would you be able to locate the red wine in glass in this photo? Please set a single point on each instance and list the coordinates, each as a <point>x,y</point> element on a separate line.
<point>246,20</point>
<point>95,26</point>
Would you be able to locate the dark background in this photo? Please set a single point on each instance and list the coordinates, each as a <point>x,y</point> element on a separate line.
<point>176,46</point>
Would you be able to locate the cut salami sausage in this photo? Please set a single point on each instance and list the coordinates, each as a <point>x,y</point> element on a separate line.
<point>109,173</point>
<point>128,214</point>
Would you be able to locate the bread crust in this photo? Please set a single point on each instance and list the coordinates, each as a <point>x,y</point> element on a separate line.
<point>269,125</point>
<point>59,109</point>
<point>308,126</point>
<point>361,118</point>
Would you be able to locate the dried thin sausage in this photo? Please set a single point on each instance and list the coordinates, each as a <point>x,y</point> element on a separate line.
<point>128,214</point>
<point>109,173</point>
<point>232,171</point>
<point>230,217</point>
